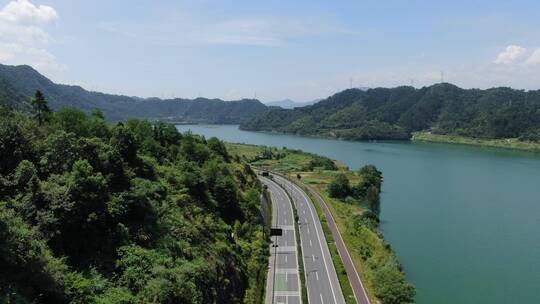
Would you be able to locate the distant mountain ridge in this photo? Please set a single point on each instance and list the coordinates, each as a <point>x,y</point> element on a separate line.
<point>19,83</point>
<point>394,113</point>
<point>291,104</point>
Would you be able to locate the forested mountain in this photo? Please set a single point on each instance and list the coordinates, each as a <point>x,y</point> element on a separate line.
<point>125,213</point>
<point>19,83</point>
<point>393,113</point>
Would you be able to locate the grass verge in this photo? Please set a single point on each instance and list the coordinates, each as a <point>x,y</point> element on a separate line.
<point>266,231</point>
<point>346,287</point>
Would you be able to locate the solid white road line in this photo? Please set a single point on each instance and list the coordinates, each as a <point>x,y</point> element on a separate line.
<point>351,260</point>
<point>318,237</point>
<point>286,199</point>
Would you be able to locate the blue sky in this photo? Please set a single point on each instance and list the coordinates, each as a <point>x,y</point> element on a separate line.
<point>272,49</point>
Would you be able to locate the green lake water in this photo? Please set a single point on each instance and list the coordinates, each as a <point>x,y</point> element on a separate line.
<point>465,221</point>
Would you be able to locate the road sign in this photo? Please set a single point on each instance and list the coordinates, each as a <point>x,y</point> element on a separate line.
<point>276,232</point>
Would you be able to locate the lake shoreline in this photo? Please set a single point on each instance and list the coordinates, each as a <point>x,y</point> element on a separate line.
<point>506,143</point>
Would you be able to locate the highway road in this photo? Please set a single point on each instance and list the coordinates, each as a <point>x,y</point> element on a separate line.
<point>360,293</point>
<point>321,278</point>
<point>283,281</point>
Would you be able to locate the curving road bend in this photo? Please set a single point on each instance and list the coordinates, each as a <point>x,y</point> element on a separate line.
<point>283,281</point>
<point>321,278</point>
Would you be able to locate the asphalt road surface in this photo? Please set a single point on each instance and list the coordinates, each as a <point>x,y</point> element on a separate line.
<point>321,278</point>
<point>360,293</point>
<point>283,282</point>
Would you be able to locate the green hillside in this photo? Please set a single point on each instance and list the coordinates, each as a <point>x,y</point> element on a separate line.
<point>125,213</point>
<point>19,83</point>
<point>394,113</point>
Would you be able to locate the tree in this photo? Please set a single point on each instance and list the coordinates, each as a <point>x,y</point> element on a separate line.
<point>41,109</point>
<point>97,113</point>
<point>166,134</point>
<point>14,146</point>
<point>124,140</point>
<point>371,175</point>
<point>128,214</point>
<point>28,268</point>
<point>97,127</point>
<point>77,201</point>
<point>226,193</point>
<point>58,152</point>
<point>339,187</point>
<point>369,188</point>
<point>218,147</point>
<point>72,120</point>
<point>391,286</point>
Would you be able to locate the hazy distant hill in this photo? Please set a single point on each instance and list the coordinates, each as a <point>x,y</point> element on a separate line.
<point>393,113</point>
<point>19,83</point>
<point>290,104</point>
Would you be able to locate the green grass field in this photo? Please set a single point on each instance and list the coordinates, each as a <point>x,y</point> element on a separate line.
<point>276,159</point>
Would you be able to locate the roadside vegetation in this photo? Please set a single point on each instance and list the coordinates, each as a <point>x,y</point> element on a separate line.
<point>346,287</point>
<point>127,213</point>
<point>358,221</point>
<point>353,198</point>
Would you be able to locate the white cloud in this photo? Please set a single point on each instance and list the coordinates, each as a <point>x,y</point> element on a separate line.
<point>534,59</point>
<point>263,31</point>
<point>510,54</point>
<point>243,32</point>
<point>24,12</point>
<point>253,31</point>
<point>23,38</point>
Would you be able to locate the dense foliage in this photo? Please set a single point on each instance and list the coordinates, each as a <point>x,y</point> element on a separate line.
<point>367,190</point>
<point>130,213</point>
<point>18,83</point>
<point>380,266</point>
<point>394,113</point>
